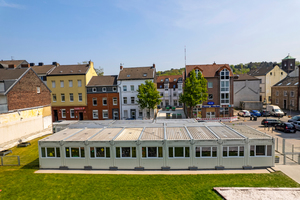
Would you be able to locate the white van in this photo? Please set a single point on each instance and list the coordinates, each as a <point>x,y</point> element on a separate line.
<point>275,111</point>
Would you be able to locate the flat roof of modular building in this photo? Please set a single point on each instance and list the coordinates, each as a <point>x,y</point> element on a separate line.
<point>224,132</point>
<point>130,134</point>
<point>61,135</point>
<point>201,133</point>
<point>249,132</point>
<point>84,134</point>
<point>153,134</point>
<point>106,134</point>
<point>177,133</point>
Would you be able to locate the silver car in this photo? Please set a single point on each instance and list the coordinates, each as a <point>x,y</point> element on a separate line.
<point>244,113</point>
<point>297,125</point>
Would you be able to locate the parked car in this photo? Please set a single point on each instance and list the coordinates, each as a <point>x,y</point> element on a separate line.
<point>294,119</point>
<point>275,111</point>
<point>244,113</point>
<point>286,127</point>
<point>270,122</point>
<point>255,113</point>
<point>265,113</point>
<point>297,125</point>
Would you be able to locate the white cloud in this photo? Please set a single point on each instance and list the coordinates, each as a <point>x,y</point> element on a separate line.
<point>10,5</point>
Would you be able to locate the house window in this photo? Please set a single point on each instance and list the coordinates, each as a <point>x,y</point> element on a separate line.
<point>277,101</point>
<point>128,75</point>
<point>260,89</point>
<point>114,89</point>
<point>115,101</point>
<point>179,86</point>
<point>38,90</point>
<point>140,113</point>
<point>75,152</point>
<point>99,152</point>
<point>277,93</point>
<point>161,80</point>
<point>63,113</point>
<point>70,83</point>
<point>270,73</point>
<point>125,152</point>
<point>162,94</point>
<point>125,100</point>
<point>132,87</point>
<point>174,94</point>
<point>50,152</point>
<point>71,97</point>
<point>62,97</point>
<point>61,84</point>
<point>175,102</point>
<point>233,151</point>
<point>95,114</point>
<point>261,150</point>
<point>292,103</point>
<point>281,73</point>
<point>152,152</point>
<point>285,93</point>
<point>125,113</point>
<point>124,87</point>
<point>79,97</point>
<point>104,101</point>
<point>53,84</point>
<point>132,100</point>
<point>292,93</point>
<point>224,112</point>
<point>145,74</point>
<point>72,114</point>
<point>105,114</point>
<point>54,97</point>
<point>197,71</point>
<point>79,83</point>
<point>210,96</point>
<point>225,98</point>
<point>94,101</point>
<point>210,84</point>
<point>94,89</point>
<point>179,152</point>
<point>207,152</point>
<point>224,86</point>
<point>160,86</point>
<point>104,89</point>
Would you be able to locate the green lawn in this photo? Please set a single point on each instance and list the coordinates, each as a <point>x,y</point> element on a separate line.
<point>20,182</point>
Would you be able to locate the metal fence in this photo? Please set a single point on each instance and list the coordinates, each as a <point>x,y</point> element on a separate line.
<point>9,160</point>
<point>288,149</point>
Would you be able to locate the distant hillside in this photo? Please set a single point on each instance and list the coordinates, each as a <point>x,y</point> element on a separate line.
<point>170,72</point>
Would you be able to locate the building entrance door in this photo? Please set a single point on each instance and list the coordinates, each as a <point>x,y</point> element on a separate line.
<point>132,114</point>
<point>55,115</point>
<point>210,115</point>
<point>116,115</point>
<point>284,104</point>
<point>81,116</point>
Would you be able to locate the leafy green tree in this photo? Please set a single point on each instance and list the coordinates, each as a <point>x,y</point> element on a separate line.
<point>148,96</point>
<point>195,91</point>
<point>99,71</point>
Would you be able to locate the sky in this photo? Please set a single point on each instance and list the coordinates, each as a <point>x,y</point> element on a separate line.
<point>139,33</point>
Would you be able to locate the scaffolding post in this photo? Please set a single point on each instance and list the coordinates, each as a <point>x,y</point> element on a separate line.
<point>283,151</point>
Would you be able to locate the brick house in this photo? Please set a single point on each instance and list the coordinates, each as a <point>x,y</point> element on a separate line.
<point>14,64</point>
<point>103,98</point>
<point>219,88</point>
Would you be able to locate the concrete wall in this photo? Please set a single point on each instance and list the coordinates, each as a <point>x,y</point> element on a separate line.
<point>247,90</point>
<point>251,105</point>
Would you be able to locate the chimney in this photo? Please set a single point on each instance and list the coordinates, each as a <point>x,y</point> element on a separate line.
<point>31,64</point>
<point>41,64</point>
<point>121,67</point>
<point>153,65</point>
<point>54,63</point>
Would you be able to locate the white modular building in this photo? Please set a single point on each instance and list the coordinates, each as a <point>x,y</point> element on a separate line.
<point>158,146</point>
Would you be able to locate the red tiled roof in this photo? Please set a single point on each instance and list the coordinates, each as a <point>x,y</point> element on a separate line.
<point>208,70</point>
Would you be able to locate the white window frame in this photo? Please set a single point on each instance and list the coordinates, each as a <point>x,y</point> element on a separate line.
<point>115,101</point>
<point>210,84</point>
<point>157,152</point>
<point>70,152</point>
<point>62,113</point>
<point>210,98</point>
<point>53,84</point>
<point>292,92</point>
<point>104,98</point>
<point>80,96</point>
<point>132,88</point>
<point>174,152</point>
<point>94,113</point>
<point>277,93</point>
<point>266,151</point>
<point>72,111</point>
<point>125,98</point>
<point>211,152</point>
<point>103,112</point>
<point>70,83</point>
<point>285,93</point>
<point>71,95</point>
<point>61,96</point>
<point>238,156</point>
<point>54,95</point>
<point>125,88</point>
<point>121,157</point>
<point>79,83</point>
<point>277,101</point>
<point>114,89</point>
<point>105,153</point>
<point>96,101</point>
<point>104,89</point>
<point>62,84</point>
<point>94,89</point>
<point>46,152</point>
<point>38,90</point>
<point>132,98</point>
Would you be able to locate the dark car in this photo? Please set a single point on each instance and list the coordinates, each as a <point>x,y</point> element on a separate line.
<point>270,122</point>
<point>265,113</point>
<point>294,119</point>
<point>286,127</point>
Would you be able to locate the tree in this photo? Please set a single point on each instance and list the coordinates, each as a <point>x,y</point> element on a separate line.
<point>195,91</point>
<point>99,71</point>
<point>148,96</point>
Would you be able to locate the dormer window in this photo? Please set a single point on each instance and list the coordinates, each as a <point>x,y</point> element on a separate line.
<point>94,89</point>
<point>104,89</point>
<point>162,80</point>
<point>128,75</point>
<point>114,89</point>
<point>145,74</point>
<point>160,86</point>
<point>197,71</point>
<point>175,79</point>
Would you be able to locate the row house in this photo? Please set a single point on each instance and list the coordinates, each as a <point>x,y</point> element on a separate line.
<point>69,95</point>
<point>12,64</point>
<point>129,80</point>
<point>43,70</point>
<point>103,98</point>
<point>170,88</point>
<point>219,88</point>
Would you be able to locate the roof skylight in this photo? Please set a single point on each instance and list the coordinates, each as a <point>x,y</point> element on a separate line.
<point>296,83</point>
<point>279,83</point>
<point>288,84</point>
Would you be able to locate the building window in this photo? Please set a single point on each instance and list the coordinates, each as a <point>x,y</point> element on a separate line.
<point>128,75</point>
<point>94,101</point>
<point>105,114</point>
<point>72,113</point>
<point>124,87</point>
<point>162,94</point>
<point>210,84</point>
<point>114,89</point>
<point>284,93</point>
<point>179,86</point>
<point>132,100</point>
<point>160,86</point>
<point>80,97</point>
<point>79,83</point>
<point>292,103</point>
<point>75,152</point>
<point>71,97</point>
<point>145,74</point>
<point>132,87</point>
<point>233,151</point>
<point>269,98</point>
<point>115,101</point>
<point>50,152</point>
<point>95,114</point>
<point>125,113</point>
<point>53,84</point>
<point>292,93</point>
<point>38,90</point>
<point>62,84</point>
<point>277,101</point>
<point>62,97</point>
<point>104,101</point>
<point>197,72</point>
<point>125,152</point>
<point>224,98</point>
<point>104,89</point>
<point>281,73</point>
<point>224,112</point>
<point>70,83</point>
<point>207,152</point>
<point>94,89</point>
<point>99,152</point>
<point>261,150</point>
<point>224,86</point>
<point>175,102</point>
<point>125,100</point>
<point>161,80</point>
<point>152,152</point>
<point>210,96</point>
<point>179,152</point>
<point>63,113</point>
<point>54,97</point>
<point>260,89</point>
<point>270,73</point>
<point>174,94</point>
<point>140,113</point>
<point>277,93</point>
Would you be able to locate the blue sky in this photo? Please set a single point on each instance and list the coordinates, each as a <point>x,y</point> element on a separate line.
<point>141,32</point>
